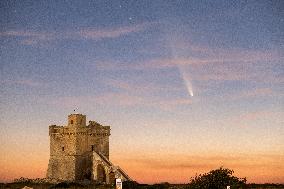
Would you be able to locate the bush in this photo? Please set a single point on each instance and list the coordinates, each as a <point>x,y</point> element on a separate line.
<point>217,179</point>
<point>130,185</point>
<point>68,185</point>
<point>164,185</point>
<point>62,185</point>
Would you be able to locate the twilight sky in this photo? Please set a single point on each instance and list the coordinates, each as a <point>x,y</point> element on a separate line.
<point>186,86</point>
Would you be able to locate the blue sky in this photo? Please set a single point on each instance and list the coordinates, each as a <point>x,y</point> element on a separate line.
<point>133,65</point>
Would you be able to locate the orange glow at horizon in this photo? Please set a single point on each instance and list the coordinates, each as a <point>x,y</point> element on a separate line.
<point>180,169</point>
<point>163,167</point>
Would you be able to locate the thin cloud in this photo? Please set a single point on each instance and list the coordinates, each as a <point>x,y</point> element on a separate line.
<point>257,92</point>
<point>212,57</point>
<point>237,71</point>
<point>183,162</point>
<point>251,93</point>
<point>257,115</point>
<point>245,120</point>
<point>222,56</point>
<point>29,37</point>
<point>96,34</point>
<point>120,99</point>
<point>137,86</point>
<point>245,94</point>
<point>24,82</point>
<point>225,55</point>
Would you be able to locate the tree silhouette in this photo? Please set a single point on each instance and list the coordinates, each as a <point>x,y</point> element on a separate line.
<point>217,179</point>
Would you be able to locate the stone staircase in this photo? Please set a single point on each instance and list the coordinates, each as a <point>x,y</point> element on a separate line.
<point>111,165</point>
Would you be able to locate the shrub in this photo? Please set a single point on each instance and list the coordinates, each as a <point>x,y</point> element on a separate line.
<point>217,179</point>
<point>130,185</point>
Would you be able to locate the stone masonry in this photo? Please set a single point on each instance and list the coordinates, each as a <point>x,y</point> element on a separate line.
<point>79,151</point>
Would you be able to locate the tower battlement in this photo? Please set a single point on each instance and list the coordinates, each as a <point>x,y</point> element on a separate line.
<point>76,120</point>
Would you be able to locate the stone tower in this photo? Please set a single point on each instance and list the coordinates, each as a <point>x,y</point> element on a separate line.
<point>79,151</point>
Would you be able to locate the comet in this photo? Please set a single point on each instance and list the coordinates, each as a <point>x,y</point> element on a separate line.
<point>186,79</point>
<point>181,68</point>
<point>174,37</point>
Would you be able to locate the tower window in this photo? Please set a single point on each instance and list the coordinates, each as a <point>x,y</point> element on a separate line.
<point>62,149</point>
<point>71,121</point>
<point>93,148</point>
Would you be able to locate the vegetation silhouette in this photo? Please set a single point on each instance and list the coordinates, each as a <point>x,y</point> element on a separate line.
<point>217,179</point>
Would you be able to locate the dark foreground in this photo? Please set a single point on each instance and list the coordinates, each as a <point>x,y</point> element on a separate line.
<point>215,179</point>
<point>128,185</point>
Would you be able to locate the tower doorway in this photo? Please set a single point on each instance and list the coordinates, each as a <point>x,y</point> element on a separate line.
<point>112,178</point>
<point>101,174</point>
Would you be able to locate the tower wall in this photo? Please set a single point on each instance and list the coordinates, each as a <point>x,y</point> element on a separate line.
<point>62,168</point>
<point>99,137</point>
<point>62,149</point>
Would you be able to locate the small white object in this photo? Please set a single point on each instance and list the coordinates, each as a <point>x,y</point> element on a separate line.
<point>118,184</point>
<point>228,187</point>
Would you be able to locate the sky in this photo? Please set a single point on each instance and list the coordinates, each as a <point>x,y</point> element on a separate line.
<point>186,86</point>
